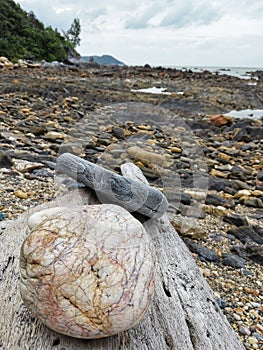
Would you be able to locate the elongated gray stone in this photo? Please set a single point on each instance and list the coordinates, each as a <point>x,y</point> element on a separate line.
<point>110,187</point>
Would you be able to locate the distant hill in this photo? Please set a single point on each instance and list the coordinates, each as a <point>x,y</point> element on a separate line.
<point>104,60</point>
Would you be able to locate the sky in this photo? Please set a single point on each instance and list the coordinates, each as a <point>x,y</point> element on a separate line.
<point>226,33</point>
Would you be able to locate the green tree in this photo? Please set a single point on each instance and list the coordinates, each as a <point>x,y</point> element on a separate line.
<point>22,35</point>
<point>73,33</point>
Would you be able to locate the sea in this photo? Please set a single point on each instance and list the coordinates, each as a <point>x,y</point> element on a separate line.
<point>240,72</point>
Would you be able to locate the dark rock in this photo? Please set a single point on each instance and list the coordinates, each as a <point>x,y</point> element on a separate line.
<point>217,184</point>
<point>249,133</point>
<point>253,202</point>
<point>233,260</point>
<point>239,185</point>
<point>244,233</point>
<point>202,252</point>
<point>118,132</point>
<point>215,200</point>
<point>255,253</point>
<point>5,160</point>
<point>235,219</point>
<point>260,175</point>
<point>178,197</point>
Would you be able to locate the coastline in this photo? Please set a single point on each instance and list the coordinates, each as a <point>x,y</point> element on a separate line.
<point>40,108</point>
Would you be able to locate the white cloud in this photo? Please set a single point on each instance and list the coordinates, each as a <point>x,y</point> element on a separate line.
<point>163,32</point>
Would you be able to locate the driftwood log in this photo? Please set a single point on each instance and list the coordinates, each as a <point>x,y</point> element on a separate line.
<point>183,314</point>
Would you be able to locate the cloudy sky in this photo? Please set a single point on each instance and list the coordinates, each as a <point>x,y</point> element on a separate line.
<point>162,32</point>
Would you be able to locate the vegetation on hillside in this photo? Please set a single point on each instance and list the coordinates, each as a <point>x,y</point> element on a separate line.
<point>22,35</point>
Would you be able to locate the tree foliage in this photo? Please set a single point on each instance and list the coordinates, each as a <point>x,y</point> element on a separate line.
<point>22,35</point>
<point>73,33</point>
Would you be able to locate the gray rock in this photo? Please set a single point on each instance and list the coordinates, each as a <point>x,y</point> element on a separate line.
<point>260,175</point>
<point>233,260</point>
<point>235,219</point>
<point>5,160</point>
<point>113,188</point>
<point>202,252</point>
<point>255,253</point>
<point>244,233</point>
<point>213,199</point>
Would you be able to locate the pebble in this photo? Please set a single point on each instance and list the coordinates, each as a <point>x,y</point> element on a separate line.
<point>21,194</point>
<point>244,331</point>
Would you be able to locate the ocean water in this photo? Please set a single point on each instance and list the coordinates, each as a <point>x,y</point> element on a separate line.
<point>240,72</point>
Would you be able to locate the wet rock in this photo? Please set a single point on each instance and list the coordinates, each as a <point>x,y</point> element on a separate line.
<point>233,260</point>
<point>235,219</point>
<point>5,160</point>
<point>202,252</point>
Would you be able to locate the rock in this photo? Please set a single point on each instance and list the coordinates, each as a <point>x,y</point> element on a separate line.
<point>253,202</point>
<point>244,233</point>
<point>174,196</point>
<point>221,120</point>
<point>193,212</point>
<point>214,199</point>
<point>5,160</point>
<point>102,282</point>
<point>2,216</point>
<point>147,157</point>
<point>240,185</point>
<point>113,188</point>
<point>218,173</point>
<point>255,253</point>
<point>24,166</point>
<point>244,331</point>
<point>202,252</point>
<point>235,219</point>
<point>197,195</point>
<point>176,150</point>
<point>260,175</point>
<point>118,132</point>
<point>221,303</point>
<point>233,260</point>
<point>21,194</point>
<point>54,135</point>
<point>249,133</point>
<point>186,228</point>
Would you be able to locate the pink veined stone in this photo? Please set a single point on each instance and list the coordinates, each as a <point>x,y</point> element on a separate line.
<point>87,272</point>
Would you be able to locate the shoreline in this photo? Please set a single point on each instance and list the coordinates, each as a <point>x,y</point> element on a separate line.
<point>42,114</point>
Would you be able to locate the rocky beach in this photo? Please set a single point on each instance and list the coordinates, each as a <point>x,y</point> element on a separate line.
<point>208,164</point>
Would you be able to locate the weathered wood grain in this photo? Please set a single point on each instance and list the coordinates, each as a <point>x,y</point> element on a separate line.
<point>183,315</point>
